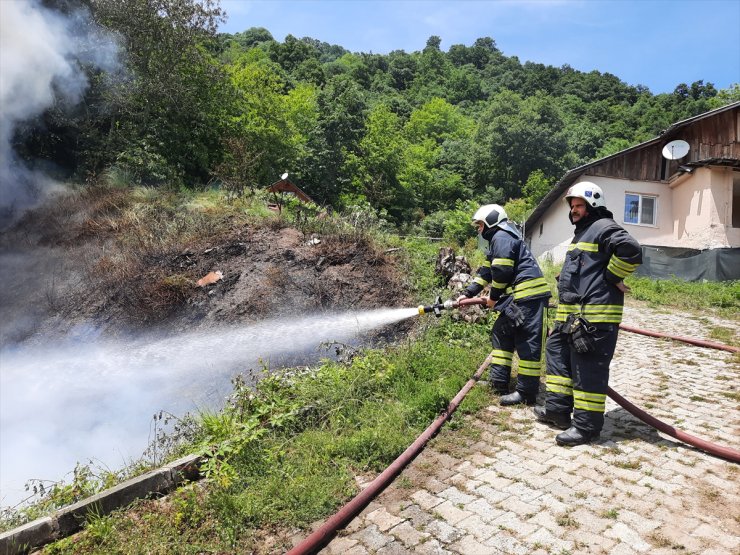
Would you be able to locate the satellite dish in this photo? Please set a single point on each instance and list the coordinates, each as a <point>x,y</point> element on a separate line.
<point>675,150</point>
<point>286,173</point>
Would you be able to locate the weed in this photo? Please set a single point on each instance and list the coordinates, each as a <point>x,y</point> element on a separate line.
<point>610,513</point>
<point>567,521</point>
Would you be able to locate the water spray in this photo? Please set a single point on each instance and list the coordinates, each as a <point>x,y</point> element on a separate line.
<point>449,304</point>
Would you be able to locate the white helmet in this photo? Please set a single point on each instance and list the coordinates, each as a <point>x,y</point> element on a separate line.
<point>491,215</point>
<point>590,192</point>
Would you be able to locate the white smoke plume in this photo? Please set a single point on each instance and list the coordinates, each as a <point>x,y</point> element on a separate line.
<point>93,399</point>
<point>41,52</point>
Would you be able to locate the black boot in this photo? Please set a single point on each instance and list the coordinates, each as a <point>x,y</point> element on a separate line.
<point>517,398</point>
<point>500,388</point>
<point>560,420</point>
<point>573,436</point>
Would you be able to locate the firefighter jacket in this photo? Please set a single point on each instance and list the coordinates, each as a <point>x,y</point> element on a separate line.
<point>600,255</point>
<point>511,269</point>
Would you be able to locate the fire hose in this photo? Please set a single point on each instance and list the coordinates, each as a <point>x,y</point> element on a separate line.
<point>324,534</point>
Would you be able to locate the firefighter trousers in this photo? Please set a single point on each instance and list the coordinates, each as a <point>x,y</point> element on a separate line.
<point>576,381</point>
<point>527,340</point>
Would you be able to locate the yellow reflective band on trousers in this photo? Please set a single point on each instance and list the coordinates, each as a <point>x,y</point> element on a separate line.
<point>595,402</point>
<point>502,262</point>
<point>530,367</point>
<point>559,384</point>
<point>619,267</point>
<point>502,358</point>
<point>594,313</point>
<point>588,247</point>
<point>486,264</point>
<point>498,285</point>
<point>529,288</point>
<point>480,281</point>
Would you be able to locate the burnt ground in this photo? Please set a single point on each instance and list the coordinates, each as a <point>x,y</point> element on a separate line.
<point>80,267</point>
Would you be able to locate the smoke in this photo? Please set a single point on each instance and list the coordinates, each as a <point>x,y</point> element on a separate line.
<point>42,53</point>
<point>93,400</point>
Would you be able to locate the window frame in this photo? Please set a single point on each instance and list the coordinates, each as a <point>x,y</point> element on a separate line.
<point>640,197</point>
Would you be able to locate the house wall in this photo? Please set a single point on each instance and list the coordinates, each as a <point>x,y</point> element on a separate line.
<point>694,212</point>
<point>557,231</point>
<point>703,208</point>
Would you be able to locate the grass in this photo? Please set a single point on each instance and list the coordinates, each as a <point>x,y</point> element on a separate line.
<point>285,454</point>
<point>720,297</point>
<point>289,450</point>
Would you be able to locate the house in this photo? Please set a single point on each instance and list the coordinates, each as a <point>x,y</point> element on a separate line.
<point>677,194</point>
<point>283,186</point>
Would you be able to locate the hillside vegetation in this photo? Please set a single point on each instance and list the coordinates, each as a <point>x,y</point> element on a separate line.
<point>409,133</point>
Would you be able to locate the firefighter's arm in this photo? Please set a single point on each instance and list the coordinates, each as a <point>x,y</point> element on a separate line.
<point>481,279</point>
<point>502,270</point>
<point>626,256</point>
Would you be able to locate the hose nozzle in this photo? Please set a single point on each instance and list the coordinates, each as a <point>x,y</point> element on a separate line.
<point>435,308</point>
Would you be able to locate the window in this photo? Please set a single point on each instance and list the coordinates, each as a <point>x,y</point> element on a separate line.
<point>640,209</point>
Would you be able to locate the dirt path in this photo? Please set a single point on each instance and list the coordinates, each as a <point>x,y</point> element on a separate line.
<point>500,484</point>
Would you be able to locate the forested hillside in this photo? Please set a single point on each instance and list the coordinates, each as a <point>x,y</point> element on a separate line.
<point>410,133</point>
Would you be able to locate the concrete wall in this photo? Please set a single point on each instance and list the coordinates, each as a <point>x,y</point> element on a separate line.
<point>705,218</point>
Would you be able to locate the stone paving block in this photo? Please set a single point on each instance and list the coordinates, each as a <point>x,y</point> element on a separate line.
<point>383,519</point>
<point>523,492</point>
<point>586,541</point>
<point>547,520</point>
<point>476,527</point>
<point>481,461</point>
<point>622,549</point>
<point>470,546</point>
<point>518,506</point>
<point>425,499</point>
<point>506,544</point>
<point>393,548</point>
<point>372,538</point>
<point>639,522</point>
<point>558,490</point>
<point>544,537</point>
<point>456,496</point>
<point>443,531</point>
<point>408,535</point>
<point>506,470</point>
<point>416,516</point>
<point>492,495</point>
<point>483,509</point>
<point>465,467</point>
<point>547,501</point>
<point>431,547</point>
<point>449,512</point>
<point>434,485</point>
<point>623,533</point>
<point>339,546</point>
<point>491,477</point>
<point>590,521</point>
<point>510,521</point>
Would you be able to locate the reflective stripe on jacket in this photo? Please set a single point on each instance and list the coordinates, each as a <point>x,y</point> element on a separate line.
<point>510,269</point>
<point>599,256</point>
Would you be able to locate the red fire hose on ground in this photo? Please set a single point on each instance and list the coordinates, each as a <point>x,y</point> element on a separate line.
<point>323,535</point>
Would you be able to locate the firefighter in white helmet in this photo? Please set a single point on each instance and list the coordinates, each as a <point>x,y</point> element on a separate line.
<point>591,298</point>
<point>520,293</point>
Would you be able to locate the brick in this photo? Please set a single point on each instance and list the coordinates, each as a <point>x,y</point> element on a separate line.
<point>450,513</point>
<point>426,500</point>
<point>408,535</point>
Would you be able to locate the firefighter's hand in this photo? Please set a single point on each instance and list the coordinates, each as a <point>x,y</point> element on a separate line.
<point>623,287</point>
<point>490,302</point>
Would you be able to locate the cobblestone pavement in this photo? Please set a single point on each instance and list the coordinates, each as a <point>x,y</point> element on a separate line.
<point>498,483</point>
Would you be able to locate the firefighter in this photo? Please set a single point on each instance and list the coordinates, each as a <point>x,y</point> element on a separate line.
<point>519,293</point>
<point>591,299</point>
